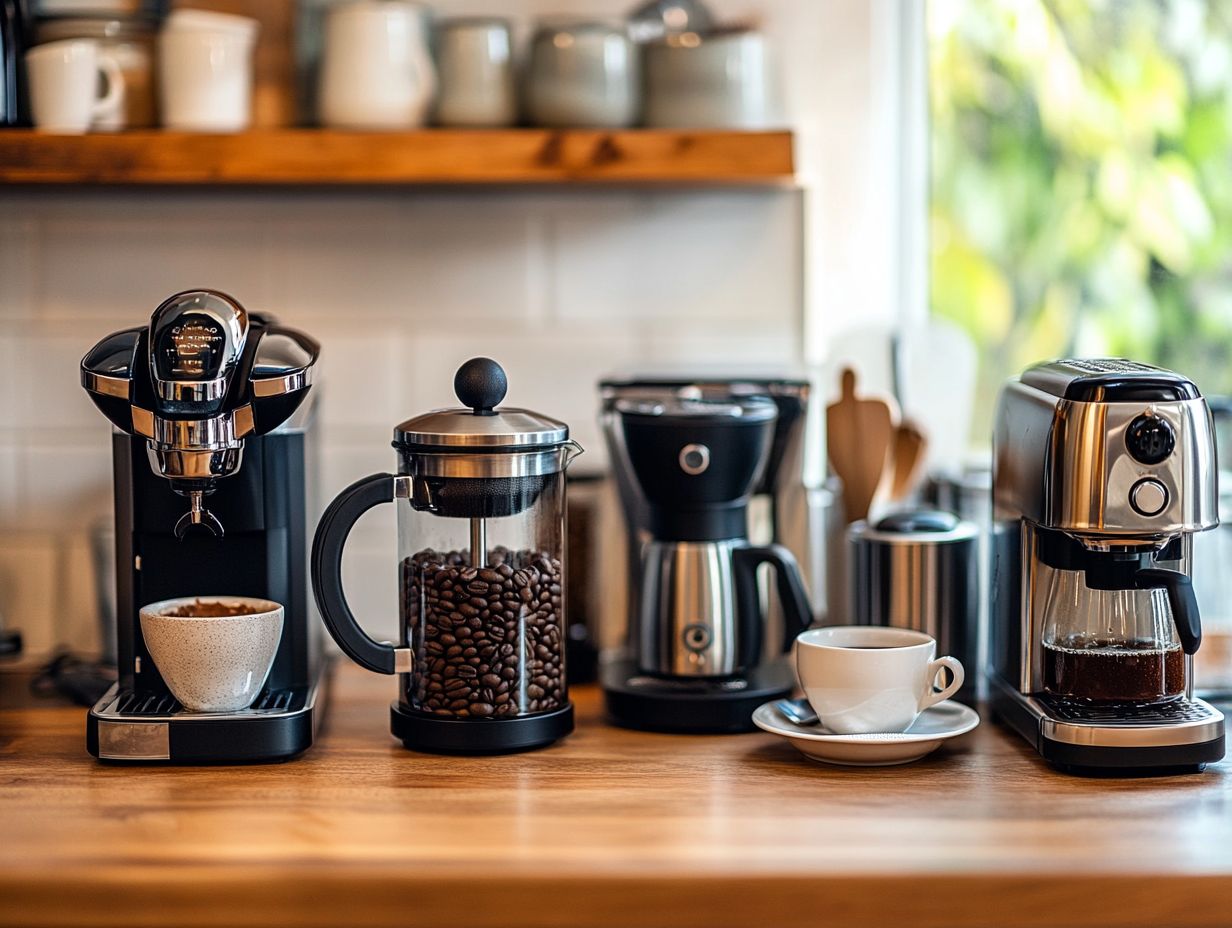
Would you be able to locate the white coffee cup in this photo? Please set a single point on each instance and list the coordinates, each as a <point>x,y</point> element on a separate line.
<point>64,86</point>
<point>475,60</point>
<point>862,679</point>
<point>205,64</point>
<point>213,663</point>
<point>376,71</point>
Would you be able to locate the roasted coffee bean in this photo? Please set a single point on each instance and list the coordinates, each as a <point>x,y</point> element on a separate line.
<point>489,640</point>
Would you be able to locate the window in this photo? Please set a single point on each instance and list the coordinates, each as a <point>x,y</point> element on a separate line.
<point>1081,182</point>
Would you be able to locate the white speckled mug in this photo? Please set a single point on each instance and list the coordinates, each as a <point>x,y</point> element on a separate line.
<point>213,663</point>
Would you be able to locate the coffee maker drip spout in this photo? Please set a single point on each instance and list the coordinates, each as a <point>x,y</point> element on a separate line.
<point>198,515</point>
<point>479,543</point>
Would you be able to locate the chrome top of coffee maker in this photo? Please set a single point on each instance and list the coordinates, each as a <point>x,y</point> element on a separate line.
<point>203,376</point>
<point>1102,472</point>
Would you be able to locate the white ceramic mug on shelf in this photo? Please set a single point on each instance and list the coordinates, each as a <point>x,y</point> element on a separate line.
<point>376,71</point>
<point>861,679</point>
<point>64,86</point>
<point>205,64</point>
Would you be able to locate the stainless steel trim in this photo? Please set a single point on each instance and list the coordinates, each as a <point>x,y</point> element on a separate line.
<point>105,384</point>
<point>242,423</point>
<point>133,740</point>
<point>143,422</point>
<point>404,660</point>
<point>687,604</point>
<point>1129,736</point>
<point>191,391</point>
<point>403,488</point>
<point>105,710</point>
<point>961,532</point>
<point>176,463</point>
<point>477,464</point>
<point>196,434</point>
<point>1108,736</point>
<point>280,385</point>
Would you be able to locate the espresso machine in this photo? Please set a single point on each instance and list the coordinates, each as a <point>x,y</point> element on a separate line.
<point>211,452</point>
<point>698,658</point>
<point>1103,470</point>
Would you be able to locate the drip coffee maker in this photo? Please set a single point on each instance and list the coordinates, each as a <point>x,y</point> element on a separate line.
<point>481,546</point>
<point>697,661</point>
<point>211,452</point>
<point>1103,470</point>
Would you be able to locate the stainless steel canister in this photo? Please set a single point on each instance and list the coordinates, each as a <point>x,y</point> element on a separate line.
<point>920,570</point>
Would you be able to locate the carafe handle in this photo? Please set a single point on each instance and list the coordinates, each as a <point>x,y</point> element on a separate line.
<point>327,546</point>
<point>1181,598</point>
<point>797,614</point>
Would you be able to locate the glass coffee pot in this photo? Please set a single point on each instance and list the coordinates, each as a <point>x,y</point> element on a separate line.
<point>1125,639</point>
<point>480,493</point>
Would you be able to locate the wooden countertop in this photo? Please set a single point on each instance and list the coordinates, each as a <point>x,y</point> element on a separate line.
<point>609,827</point>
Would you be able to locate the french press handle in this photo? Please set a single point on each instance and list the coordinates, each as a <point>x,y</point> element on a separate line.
<point>1181,599</point>
<point>797,614</point>
<point>331,536</point>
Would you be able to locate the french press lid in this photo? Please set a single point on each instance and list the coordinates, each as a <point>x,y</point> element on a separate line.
<point>477,425</point>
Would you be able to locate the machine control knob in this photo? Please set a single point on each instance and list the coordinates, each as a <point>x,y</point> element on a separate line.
<point>1149,497</point>
<point>696,637</point>
<point>694,459</point>
<point>1150,438</point>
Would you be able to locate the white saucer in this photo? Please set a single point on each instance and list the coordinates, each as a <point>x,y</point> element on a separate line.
<point>945,720</point>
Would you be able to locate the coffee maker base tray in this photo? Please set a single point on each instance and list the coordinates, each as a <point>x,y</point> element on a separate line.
<point>419,732</point>
<point>645,703</point>
<point>1186,737</point>
<point>119,732</point>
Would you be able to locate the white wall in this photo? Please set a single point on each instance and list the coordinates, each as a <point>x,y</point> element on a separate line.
<point>401,286</point>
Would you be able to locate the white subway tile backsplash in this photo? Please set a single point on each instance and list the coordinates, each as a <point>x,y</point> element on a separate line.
<point>707,257</point>
<point>419,260</point>
<point>65,485</point>
<point>370,579</point>
<point>360,377</point>
<point>17,262</point>
<point>44,390</point>
<point>125,265</point>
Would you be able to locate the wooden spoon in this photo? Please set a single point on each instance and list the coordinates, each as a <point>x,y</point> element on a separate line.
<point>910,448</point>
<point>858,437</point>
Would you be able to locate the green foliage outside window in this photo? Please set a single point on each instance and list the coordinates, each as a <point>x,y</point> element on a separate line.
<point>1082,182</point>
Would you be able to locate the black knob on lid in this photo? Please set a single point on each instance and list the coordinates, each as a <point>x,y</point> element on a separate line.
<point>481,384</point>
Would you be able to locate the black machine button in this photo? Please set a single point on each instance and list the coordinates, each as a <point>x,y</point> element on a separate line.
<point>696,637</point>
<point>1149,497</point>
<point>1150,439</point>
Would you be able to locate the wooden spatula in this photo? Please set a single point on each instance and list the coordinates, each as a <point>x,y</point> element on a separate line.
<point>910,448</point>
<point>858,437</point>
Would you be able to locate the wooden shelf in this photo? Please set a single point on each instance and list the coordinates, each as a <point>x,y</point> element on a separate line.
<point>432,156</point>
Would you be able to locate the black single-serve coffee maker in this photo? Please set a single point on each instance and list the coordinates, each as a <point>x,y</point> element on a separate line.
<point>210,458</point>
<point>695,660</point>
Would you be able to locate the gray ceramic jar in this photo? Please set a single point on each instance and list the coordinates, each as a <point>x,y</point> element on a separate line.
<point>584,74</point>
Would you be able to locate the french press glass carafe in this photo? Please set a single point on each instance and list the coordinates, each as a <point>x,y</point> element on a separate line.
<point>481,548</point>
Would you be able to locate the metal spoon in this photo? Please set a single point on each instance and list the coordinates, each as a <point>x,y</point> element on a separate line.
<point>798,711</point>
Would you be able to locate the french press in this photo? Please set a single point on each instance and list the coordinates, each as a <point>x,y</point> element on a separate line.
<point>480,493</point>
